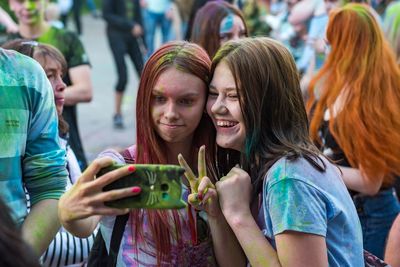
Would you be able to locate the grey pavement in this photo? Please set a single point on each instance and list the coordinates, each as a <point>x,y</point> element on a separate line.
<point>95,118</point>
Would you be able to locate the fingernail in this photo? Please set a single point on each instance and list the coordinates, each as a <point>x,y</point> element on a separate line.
<point>200,196</point>
<point>131,168</point>
<point>136,189</point>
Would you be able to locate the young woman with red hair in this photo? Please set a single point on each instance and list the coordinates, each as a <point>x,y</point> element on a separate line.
<point>355,117</point>
<point>170,121</point>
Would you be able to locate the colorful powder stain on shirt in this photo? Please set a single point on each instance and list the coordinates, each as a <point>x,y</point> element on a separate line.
<point>297,197</point>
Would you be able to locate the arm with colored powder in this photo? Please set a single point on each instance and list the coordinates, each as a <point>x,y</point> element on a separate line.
<point>41,225</point>
<point>44,172</point>
<point>204,196</point>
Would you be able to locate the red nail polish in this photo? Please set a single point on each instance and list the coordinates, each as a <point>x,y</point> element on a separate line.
<point>200,196</point>
<point>131,168</point>
<point>136,189</point>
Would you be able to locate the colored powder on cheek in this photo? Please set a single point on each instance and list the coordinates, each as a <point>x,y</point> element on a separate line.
<point>227,24</point>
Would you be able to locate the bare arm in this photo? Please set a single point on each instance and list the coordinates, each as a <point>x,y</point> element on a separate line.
<point>392,256</point>
<point>357,180</point>
<point>256,247</point>
<point>41,225</point>
<point>293,248</point>
<point>226,247</point>
<point>7,21</point>
<point>81,88</point>
<point>302,11</point>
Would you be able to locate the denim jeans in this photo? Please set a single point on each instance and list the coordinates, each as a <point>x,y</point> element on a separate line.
<point>152,20</point>
<point>376,214</point>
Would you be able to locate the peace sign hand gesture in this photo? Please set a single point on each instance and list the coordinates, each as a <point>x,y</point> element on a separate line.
<point>204,195</point>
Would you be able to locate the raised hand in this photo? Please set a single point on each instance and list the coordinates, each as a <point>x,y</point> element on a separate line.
<point>203,196</point>
<point>86,198</point>
<point>234,191</point>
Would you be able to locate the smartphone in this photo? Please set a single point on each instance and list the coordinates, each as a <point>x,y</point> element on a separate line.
<point>161,186</point>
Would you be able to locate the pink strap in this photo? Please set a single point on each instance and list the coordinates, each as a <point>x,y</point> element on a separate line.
<point>132,151</point>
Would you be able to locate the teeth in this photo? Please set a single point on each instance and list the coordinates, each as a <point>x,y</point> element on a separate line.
<point>226,123</point>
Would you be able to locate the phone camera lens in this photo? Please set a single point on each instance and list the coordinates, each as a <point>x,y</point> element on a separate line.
<point>164,187</point>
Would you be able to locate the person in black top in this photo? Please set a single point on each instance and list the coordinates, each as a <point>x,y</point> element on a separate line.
<point>125,36</point>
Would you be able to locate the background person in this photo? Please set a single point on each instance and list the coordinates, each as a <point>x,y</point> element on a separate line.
<point>125,36</point>
<point>353,107</point>
<point>216,23</point>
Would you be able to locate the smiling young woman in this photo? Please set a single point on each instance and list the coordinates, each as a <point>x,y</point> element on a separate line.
<point>287,204</point>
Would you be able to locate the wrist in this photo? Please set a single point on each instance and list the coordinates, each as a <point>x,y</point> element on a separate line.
<point>237,218</point>
<point>215,217</point>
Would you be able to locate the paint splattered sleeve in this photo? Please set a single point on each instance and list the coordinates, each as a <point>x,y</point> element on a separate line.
<point>298,206</point>
<point>44,168</point>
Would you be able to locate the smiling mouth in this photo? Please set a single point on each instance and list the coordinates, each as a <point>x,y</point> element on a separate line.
<point>226,124</point>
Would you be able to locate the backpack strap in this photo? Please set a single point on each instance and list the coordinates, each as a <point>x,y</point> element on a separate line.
<point>116,237</point>
<point>99,257</point>
<point>129,154</point>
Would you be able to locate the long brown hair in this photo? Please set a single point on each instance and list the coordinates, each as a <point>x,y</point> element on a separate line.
<point>192,59</point>
<point>361,69</point>
<point>271,103</point>
<point>206,25</point>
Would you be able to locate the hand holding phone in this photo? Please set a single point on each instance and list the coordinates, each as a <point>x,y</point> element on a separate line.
<point>161,186</point>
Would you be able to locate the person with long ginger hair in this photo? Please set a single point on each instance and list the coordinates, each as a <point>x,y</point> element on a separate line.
<point>355,117</point>
<point>170,121</point>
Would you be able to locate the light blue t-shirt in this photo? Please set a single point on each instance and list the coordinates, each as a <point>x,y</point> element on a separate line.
<point>298,197</point>
<point>316,31</point>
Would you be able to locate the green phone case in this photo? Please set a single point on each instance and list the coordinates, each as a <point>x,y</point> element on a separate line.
<point>161,187</point>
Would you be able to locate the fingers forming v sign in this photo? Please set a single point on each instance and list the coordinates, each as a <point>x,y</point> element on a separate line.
<point>201,183</point>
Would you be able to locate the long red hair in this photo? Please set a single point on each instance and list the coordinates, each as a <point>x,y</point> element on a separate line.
<point>361,69</point>
<point>165,226</point>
